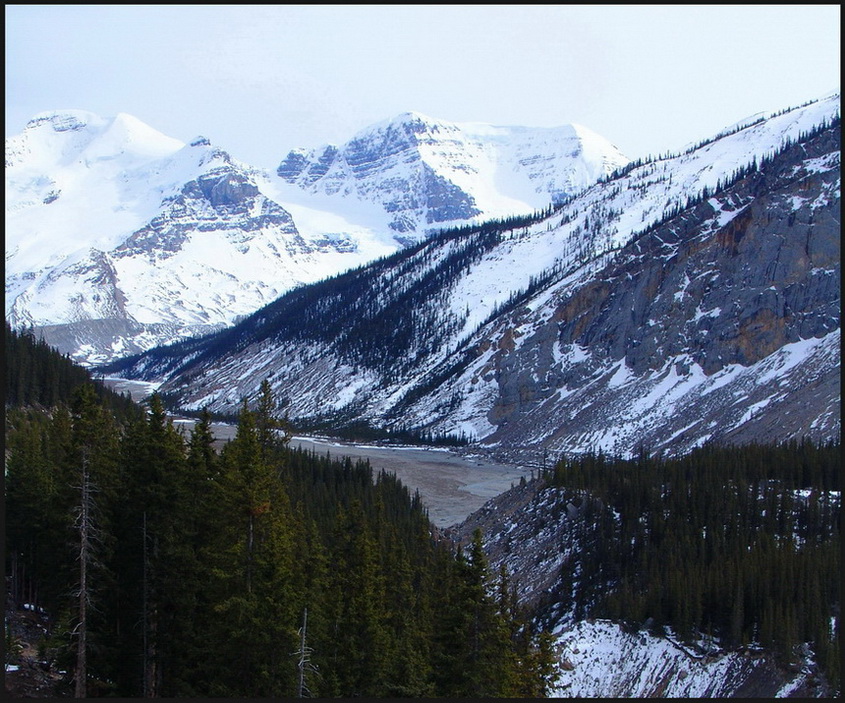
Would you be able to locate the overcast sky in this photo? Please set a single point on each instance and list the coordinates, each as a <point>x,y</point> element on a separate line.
<point>259,80</point>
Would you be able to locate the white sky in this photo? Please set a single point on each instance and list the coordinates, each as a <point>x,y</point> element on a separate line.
<point>260,80</point>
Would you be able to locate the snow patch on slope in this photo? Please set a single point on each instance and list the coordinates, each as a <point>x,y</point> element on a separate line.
<point>600,660</point>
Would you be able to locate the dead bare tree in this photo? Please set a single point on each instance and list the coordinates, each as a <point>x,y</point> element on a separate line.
<point>304,664</point>
<point>89,536</point>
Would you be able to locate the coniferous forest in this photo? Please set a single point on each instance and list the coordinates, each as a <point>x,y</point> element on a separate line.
<point>740,545</point>
<point>171,569</point>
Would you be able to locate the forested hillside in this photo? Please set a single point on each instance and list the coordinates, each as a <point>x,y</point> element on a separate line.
<point>741,543</point>
<point>38,375</point>
<point>168,569</point>
<point>729,549</point>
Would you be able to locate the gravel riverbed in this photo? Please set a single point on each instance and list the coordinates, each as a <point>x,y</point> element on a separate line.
<point>451,485</point>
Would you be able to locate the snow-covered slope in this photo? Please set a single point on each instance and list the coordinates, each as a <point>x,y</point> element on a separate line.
<point>119,238</point>
<point>688,298</point>
<point>601,660</point>
<point>427,174</point>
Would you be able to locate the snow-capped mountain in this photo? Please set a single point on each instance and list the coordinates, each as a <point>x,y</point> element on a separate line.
<point>119,238</point>
<point>684,299</point>
<point>427,174</point>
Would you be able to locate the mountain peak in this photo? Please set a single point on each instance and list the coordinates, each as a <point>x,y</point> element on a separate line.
<point>127,134</point>
<point>414,116</point>
<point>65,120</point>
<point>408,122</point>
<point>65,136</point>
<point>426,173</point>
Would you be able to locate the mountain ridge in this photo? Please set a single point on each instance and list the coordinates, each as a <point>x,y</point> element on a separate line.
<point>116,230</point>
<point>490,340</point>
<point>441,174</point>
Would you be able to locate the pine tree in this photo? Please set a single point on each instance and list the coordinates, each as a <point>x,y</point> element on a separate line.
<point>359,625</point>
<point>252,571</point>
<point>273,432</point>
<point>476,657</point>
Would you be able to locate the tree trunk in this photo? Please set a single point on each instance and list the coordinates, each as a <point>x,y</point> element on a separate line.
<point>303,656</point>
<point>81,688</point>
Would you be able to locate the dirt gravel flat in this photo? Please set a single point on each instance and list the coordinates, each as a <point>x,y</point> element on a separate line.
<point>451,486</point>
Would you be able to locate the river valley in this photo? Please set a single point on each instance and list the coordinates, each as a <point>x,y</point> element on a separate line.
<point>451,486</point>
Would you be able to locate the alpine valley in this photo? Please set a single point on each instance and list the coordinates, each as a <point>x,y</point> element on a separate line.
<point>685,299</point>
<point>660,339</point>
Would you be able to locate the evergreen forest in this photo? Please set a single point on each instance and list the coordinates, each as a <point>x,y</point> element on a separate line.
<point>734,546</point>
<point>170,569</point>
<point>39,376</point>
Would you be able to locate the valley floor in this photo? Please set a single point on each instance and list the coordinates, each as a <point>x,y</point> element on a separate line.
<point>452,484</point>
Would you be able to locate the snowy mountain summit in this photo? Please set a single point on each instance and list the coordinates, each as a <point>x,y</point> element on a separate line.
<point>119,238</point>
<point>428,174</point>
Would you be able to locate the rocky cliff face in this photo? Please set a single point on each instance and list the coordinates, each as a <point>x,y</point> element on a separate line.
<point>705,315</point>
<point>601,659</point>
<point>428,174</point>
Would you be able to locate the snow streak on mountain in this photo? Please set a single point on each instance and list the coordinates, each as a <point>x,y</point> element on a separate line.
<point>120,238</point>
<point>683,299</point>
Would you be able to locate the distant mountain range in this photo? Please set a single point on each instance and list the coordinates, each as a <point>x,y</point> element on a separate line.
<point>119,238</point>
<point>677,301</point>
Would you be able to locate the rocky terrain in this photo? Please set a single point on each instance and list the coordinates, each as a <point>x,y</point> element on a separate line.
<point>29,669</point>
<point>688,299</point>
<point>703,324</point>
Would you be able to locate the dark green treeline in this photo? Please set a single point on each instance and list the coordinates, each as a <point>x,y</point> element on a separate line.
<point>741,543</point>
<point>38,375</point>
<point>258,571</point>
